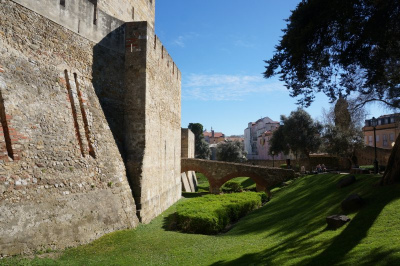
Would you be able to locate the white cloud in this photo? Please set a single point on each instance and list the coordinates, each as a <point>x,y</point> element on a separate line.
<point>182,39</point>
<point>226,87</point>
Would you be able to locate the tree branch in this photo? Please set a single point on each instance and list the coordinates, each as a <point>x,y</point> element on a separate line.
<point>360,105</point>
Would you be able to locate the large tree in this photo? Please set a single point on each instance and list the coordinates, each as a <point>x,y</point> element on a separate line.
<point>343,47</point>
<point>342,134</point>
<point>231,151</point>
<point>298,133</point>
<point>202,148</point>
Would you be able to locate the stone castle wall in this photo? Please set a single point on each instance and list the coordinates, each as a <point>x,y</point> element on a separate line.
<point>187,143</point>
<point>96,20</point>
<point>82,17</point>
<point>69,132</point>
<point>366,156</point>
<point>189,179</point>
<point>62,179</point>
<point>130,10</point>
<point>153,163</point>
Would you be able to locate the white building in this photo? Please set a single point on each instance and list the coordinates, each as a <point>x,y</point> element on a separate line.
<point>256,139</point>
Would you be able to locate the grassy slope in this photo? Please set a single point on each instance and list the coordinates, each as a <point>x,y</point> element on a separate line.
<point>289,230</point>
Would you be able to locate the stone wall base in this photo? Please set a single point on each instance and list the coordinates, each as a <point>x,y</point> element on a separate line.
<point>155,206</point>
<point>65,221</point>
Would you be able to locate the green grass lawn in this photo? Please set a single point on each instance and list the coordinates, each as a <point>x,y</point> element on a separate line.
<point>288,230</point>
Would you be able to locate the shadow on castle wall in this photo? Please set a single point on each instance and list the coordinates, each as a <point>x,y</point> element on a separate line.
<point>108,82</point>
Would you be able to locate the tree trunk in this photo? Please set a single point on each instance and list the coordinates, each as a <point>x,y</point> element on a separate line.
<point>392,172</point>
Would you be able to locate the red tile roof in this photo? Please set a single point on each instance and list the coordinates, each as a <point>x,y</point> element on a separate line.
<point>216,134</point>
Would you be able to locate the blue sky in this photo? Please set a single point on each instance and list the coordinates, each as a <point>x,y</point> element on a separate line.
<point>219,46</point>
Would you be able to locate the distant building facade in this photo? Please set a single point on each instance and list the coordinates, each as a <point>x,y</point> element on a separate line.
<point>213,137</point>
<point>256,139</point>
<point>235,138</point>
<point>387,130</point>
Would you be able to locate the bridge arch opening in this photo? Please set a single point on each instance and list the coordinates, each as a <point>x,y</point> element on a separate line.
<point>247,178</point>
<point>215,184</point>
<point>204,172</point>
<point>218,173</point>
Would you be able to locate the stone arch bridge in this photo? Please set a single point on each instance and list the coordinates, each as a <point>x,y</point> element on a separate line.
<point>218,173</point>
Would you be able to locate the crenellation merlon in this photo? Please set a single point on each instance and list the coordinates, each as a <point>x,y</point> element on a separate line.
<point>143,39</point>
<point>164,57</point>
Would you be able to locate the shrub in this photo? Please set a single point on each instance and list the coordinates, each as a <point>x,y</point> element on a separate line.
<point>231,151</point>
<point>210,214</point>
<point>367,167</point>
<point>371,167</point>
<point>232,186</point>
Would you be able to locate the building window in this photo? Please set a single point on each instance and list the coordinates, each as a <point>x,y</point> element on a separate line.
<point>377,138</point>
<point>370,141</point>
<point>391,137</point>
<point>385,140</point>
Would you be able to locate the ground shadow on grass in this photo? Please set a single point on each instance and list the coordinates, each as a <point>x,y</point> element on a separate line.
<point>248,183</point>
<point>358,228</point>
<point>308,199</point>
<point>293,219</point>
<point>189,195</point>
<point>169,223</point>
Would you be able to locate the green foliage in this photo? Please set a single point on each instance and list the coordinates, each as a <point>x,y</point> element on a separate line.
<point>231,151</point>
<point>297,133</point>
<point>232,186</point>
<point>278,142</point>
<point>202,148</point>
<point>202,183</point>
<point>367,167</point>
<point>342,134</point>
<point>341,48</point>
<point>197,130</point>
<point>342,142</point>
<point>210,214</point>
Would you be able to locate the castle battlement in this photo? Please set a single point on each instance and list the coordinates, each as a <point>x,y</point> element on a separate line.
<point>142,39</point>
<point>165,61</point>
<point>164,57</point>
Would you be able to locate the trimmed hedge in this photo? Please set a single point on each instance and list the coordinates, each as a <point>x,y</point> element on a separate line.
<point>232,186</point>
<point>210,214</point>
